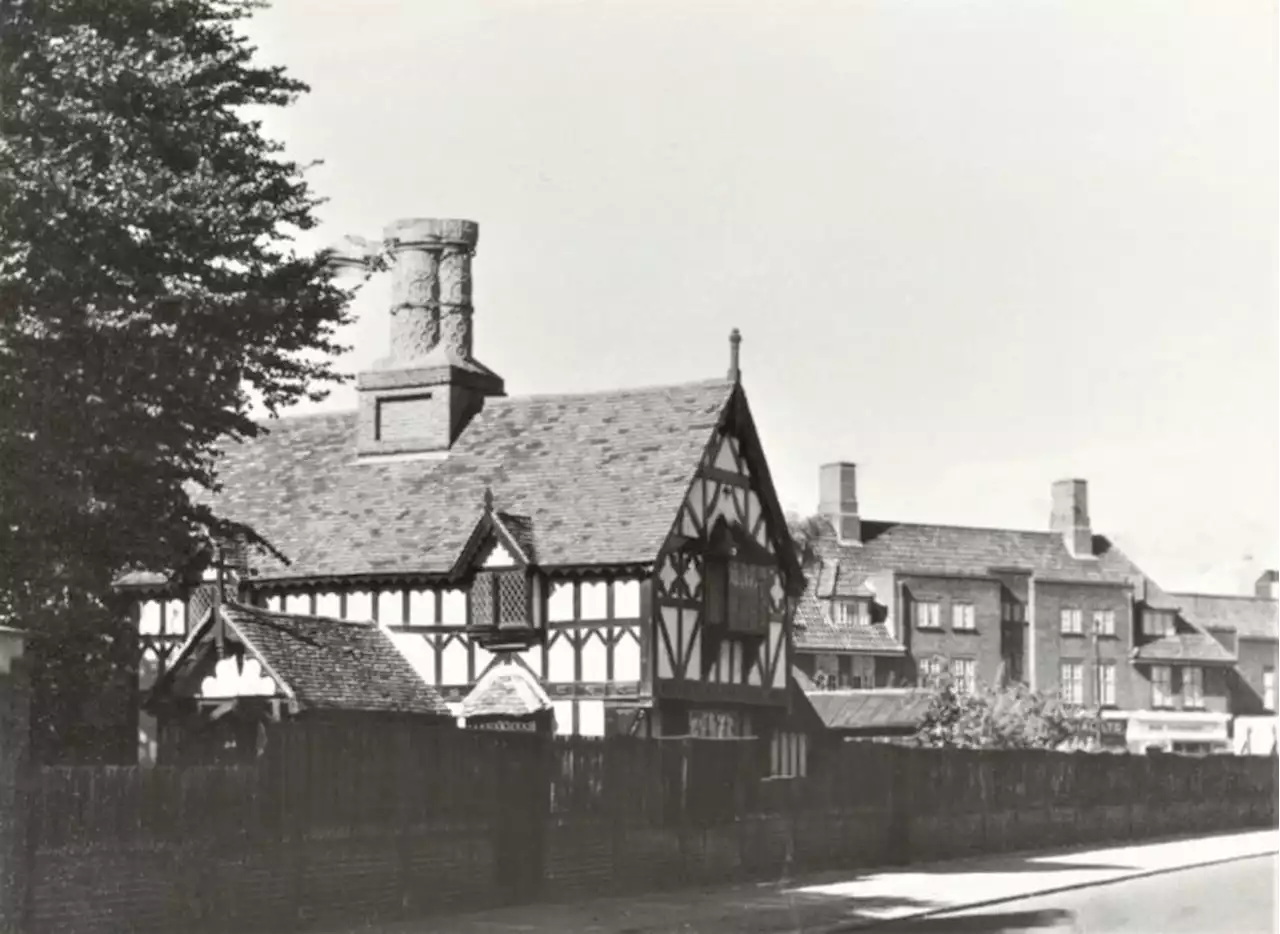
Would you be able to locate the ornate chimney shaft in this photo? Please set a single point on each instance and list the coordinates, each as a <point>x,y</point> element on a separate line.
<point>430,290</point>
<point>420,397</point>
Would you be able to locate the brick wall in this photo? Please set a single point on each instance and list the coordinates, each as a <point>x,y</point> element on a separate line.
<point>1255,656</point>
<point>1052,647</point>
<point>983,644</point>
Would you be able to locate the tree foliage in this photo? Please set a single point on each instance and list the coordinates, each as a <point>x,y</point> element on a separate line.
<point>806,533</point>
<point>149,294</point>
<point>1002,716</point>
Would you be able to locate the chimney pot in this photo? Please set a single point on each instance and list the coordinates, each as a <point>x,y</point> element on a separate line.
<point>838,500</point>
<point>1070,516</point>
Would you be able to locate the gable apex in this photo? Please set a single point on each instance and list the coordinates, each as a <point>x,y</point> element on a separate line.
<point>498,540</point>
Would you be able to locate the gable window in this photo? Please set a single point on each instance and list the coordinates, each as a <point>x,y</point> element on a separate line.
<point>1156,623</point>
<point>499,599</point>
<point>1269,689</point>
<point>1104,687</point>
<point>1193,687</point>
<point>851,612</point>
<point>962,617</point>
<point>1161,686</point>
<point>1072,621</point>
<point>1071,679</point>
<point>1104,622</point>
<point>928,615</point>
<point>739,576</point>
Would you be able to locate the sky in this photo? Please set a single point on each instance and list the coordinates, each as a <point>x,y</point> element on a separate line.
<point>972,246</point>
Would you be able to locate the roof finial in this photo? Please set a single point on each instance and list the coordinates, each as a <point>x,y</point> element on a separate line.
<point>488,499</point>
<point>735,340</point>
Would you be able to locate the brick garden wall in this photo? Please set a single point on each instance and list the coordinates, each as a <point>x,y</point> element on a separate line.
<point>334,827</point>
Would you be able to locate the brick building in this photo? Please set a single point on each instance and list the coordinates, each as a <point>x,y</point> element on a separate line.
<point>1247,626</point>
<point>1062,610</point>
<point>625,548</point>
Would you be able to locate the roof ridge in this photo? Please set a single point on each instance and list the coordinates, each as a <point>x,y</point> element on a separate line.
<point>586,393</point>
<point>1220,596</point>
<point>264,611</point>
<point>962,528</point>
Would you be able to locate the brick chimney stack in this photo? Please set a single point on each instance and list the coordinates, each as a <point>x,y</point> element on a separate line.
<point>1070,516</point>
<point>1268,585</point>
<point>420,397</point>
<point>838,500</point>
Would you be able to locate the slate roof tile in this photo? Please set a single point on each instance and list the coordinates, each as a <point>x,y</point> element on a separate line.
<point>505,690</point>
<point>600,476</point>
<point>335,664</point>
<point>1250,617</point>
<point>1183,647</point>
<point>895,709</point>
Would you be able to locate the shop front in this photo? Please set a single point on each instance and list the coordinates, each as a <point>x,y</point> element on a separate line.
<point>1195,732</point>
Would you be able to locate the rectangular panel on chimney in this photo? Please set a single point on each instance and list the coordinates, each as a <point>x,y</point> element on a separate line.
<point>403,418</point>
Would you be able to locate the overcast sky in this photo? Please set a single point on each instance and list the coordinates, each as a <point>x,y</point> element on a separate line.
<point>972,246</point>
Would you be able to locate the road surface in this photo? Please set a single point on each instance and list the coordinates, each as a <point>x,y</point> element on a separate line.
<point>1238,897</point>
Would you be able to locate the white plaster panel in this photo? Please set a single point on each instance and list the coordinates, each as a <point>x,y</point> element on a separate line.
<point>499,557</point>
<point>693,656</point>
<point>422,607</point>
<point>670,623</point>
<point>778,656</point>
<point>420,653</point>
<point>560,602</point>
<point>299,603</point>
<point>591,718</point>
<point>626,600</point>
<point>595,658</point>
<point>564,716</point>
<point>483,658</point>
<point>453,608</point>
<point>328,604</point>
<point>453,663</point>
<point>594,600</point>
<point>149,618</point>
<point>360,605</point>
<point>724,457</point>
<point>391,607</point>
<point>626,657</point>
<point>231,678</point>
<point>560,660</point>
<point>754,676</point>
<point>175,613</point>
<point>274,603</point>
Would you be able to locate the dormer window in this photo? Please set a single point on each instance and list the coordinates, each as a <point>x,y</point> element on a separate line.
<point>739,574</point>
<point>504,606</point>
<point>1157,623</point>
<point>851,612</point>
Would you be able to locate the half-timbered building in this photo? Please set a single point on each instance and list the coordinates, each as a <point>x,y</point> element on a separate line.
<point>625,549</point>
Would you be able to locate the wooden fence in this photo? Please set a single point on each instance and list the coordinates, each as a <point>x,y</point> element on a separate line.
<point>334,825</point>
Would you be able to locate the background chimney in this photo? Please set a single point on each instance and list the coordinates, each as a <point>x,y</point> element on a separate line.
<point>1070,516</point>
<point>1268,585</point>
<point>422,395</point>
<point>838,500</point>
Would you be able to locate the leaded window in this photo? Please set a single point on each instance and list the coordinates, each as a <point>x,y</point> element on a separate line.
<point>499,599</point>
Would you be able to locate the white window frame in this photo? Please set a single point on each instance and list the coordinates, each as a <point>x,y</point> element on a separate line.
<point>1104,622</point>
<point>930,667</point>
<point>927,614</point>
<point>789,755</point>
<point>1161,686</point>
<point>1269,689</point>
<point>1071,682</point>
<point>964,675</point>
<point>1164,618</point>
<point>964,617</point>
<point>1071,621</point>
<point>1193,687</point>
<point>1104,683</point>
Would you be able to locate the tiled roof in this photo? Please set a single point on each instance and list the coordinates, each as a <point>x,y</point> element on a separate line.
<point>815,631</point>
<point>888,709</point>
<point>335,664</point>
<point>505,690</point>
<point>1250,617</point>
<point>1183,647</point>
<point>600,476</point>
<point>944,549</point>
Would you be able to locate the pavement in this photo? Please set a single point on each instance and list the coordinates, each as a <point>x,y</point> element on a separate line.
<point>1236,897</point>
<point>833,902</point>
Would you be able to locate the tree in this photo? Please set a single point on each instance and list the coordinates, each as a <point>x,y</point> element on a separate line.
<point>149,293</point>
<point>806,534</point>
<point>1001,716</point>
